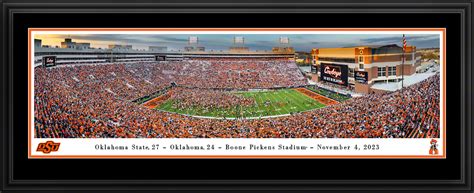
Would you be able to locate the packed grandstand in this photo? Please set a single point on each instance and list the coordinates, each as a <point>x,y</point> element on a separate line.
<point>123,100</point>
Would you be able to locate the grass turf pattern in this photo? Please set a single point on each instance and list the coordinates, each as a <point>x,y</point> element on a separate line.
<point>268,103</point>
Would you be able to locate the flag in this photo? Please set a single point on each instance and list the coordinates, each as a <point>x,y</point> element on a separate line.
<point>404,46</point>
<point>403,56</point>
<point>404,43</point>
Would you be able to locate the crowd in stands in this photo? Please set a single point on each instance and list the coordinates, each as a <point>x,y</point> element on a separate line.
<point>237,74</point>
<point>94,102</point>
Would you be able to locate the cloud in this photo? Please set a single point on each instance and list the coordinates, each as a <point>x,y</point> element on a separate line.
<point>301,42</point>
<point>417,40</point>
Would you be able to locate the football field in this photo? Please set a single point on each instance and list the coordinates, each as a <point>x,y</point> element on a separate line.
<point>268,103</point>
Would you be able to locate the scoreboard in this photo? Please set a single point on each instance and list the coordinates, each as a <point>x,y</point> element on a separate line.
<point>160,57</point>
<point>49,61</point>
<point>361,76</point>
<point>334,73</point>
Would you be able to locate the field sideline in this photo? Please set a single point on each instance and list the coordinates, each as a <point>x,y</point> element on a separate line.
<point>269,103</point>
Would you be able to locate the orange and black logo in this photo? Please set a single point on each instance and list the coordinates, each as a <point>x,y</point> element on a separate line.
<point>48,147</point>
<point>434,147</point>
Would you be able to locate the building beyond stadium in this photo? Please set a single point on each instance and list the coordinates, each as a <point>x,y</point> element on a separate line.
<point>360,67</point>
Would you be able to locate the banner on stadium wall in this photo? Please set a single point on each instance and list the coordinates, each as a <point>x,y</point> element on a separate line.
<point>49,61</point>
<point>361,76</point>
<point>314,69</point>
<point>334,73</point>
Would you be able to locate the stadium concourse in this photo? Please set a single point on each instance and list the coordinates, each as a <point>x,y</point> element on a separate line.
<point>96,101</point>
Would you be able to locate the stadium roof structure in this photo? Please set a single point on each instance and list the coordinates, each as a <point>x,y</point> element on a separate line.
<point>376,46</point>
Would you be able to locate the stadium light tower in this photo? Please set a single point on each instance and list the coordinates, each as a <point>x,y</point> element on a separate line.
<point>193,40</point>
<point>284,40</point>
<point>239,40</point>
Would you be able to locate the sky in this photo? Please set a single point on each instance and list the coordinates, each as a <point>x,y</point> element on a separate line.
<point>301,42</point>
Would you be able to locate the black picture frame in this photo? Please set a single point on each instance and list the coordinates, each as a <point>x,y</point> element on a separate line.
<point>13,10</point>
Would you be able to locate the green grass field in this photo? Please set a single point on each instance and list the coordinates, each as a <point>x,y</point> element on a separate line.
<point>269,103</point>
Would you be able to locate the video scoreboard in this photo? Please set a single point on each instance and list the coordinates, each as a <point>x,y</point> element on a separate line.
<point>334,73</point>
<point>49,61</point>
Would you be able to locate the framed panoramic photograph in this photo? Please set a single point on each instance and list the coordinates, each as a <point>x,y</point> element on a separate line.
<point>157,96</point>
<point>243,93</point>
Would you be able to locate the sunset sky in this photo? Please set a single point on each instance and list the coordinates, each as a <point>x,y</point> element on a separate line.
<point>301,42</point>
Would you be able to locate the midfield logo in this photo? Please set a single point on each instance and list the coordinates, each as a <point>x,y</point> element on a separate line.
<point>48,147</point>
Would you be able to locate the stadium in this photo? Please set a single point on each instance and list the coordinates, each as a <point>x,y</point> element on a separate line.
<point>239,93</point>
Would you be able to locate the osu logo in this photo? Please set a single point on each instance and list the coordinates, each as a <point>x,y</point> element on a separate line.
<point>48,147</point>
<point>434,147</point>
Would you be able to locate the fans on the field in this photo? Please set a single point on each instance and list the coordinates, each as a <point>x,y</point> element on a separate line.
<point>185,98</point>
